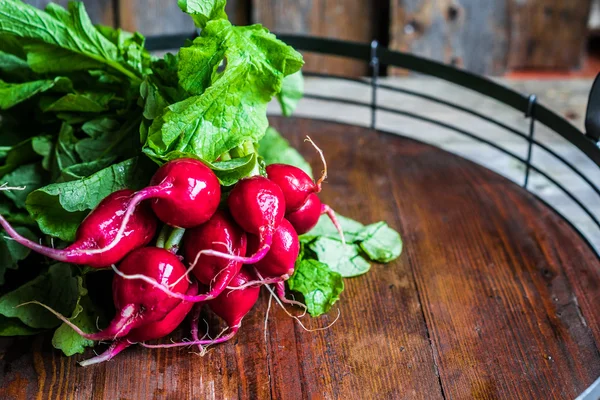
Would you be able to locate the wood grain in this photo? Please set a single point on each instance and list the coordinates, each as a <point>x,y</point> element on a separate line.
<point>344,19</point>
<point>495,296</point>
<point>154,17</point>
<point>547,33</point>
<point>100,11</point>
<point>470,34</point>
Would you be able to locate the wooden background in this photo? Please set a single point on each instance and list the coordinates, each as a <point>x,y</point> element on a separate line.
<point>483,36</point>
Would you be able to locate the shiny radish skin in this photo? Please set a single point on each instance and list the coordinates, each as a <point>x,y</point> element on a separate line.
<point>280,260</point>
<point>155,263</point>
<point>295,184</point>
<point>307,216</point>
<point>162,328</point>
<point>137,302</point>
<point>151,331</point>
<point>231,306</point>
<point>99,229</point>
<point>219,233</point>
<point>190,193</point>
<point>258,207</point>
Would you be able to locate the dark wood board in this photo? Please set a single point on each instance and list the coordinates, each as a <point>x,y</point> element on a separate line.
<point>342,19</point>
<point>470,34</point>
<point>548,33</point>
<point>494,296</point>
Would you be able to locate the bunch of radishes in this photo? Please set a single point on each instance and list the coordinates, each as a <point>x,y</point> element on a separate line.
<point>231,247</point>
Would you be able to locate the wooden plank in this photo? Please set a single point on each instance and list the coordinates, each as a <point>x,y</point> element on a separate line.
<point>158,17</point>
<point>154,17</point>
<point>100,11</point>
<point>507,316</point>
<point>470,34</point>
<point>547,33</point>
<point>344,19</point>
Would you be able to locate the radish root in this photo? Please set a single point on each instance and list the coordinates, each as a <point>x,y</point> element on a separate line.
<point>324,172</point>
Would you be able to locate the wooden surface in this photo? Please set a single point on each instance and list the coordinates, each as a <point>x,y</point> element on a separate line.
<point>494,296</point>
<point>100,11</point>
<point>343,19</point>
<point>547,33</point>
<point>470,34</point>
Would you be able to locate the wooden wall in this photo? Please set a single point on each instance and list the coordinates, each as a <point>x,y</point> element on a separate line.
<point>483,36</point>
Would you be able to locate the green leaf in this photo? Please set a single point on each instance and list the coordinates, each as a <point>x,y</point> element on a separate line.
<point>231,171</point>
<point>274,149</point>
<point>14,327</point>
<point>85,102</point>
<point>79,171</point>
<point>232,110</point>
<point>65,40</point>
<point>198,64</point>
<point>380,242</point>
<point>203,11</point>
<point>123,142</point>
<point>59,208</point>
<point>325,228</point>
<point>12,94</point>
<point>291,92</point>
<point>14,66</point>
<point>320,286</point>
<point>19,154</point>
<point>43,146</point>
<point>345,260</point>
<point>84,316</point>
<point>56,288</point>
<point>30,176</point>
<point>96,127</point>
<point>11,252</point>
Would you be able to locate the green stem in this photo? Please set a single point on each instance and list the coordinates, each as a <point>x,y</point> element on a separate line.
<point>162,236</point>
<point>225,156</point>
<point>174,239</point>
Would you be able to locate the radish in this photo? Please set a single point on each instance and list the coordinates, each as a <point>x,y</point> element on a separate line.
<point>138,303</point>
<point>150,331</point>
<point>231,306</point>
<point>185,193</point>
<point>303,206</point>
<point>306,217</point>
<point>258,206</point>
<point>100,228</point>
<point>280,260</point>
<point>220,232</point>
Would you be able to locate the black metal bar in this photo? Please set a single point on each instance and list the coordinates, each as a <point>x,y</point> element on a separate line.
<point>374,82</point>
<point>530,114</point>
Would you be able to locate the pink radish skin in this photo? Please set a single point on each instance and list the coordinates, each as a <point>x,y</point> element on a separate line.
<point>306,217</point>
<point>258,206</point>
<point>219,233</point>
<point>280,260</point>
<point>99,229</point>
<point>138,303</point>
<point>151,331</point>
<point>231,306</point>
<point>295,184</point>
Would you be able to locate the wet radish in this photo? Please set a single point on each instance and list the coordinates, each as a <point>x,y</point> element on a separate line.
<point>306,217</point>
<point>99,229</point>
<point>280,260</point>
<point>231,306</point>
<point>150,331</point>
<point>137,302</point>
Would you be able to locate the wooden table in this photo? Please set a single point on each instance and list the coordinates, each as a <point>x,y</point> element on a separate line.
<point>494,296</point>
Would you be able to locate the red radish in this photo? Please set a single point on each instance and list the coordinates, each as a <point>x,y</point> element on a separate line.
<point>219,233</point>
<point>150,331</point>
<point>296,184</point>
<point>306,217</point>
<point>100,228</point>
<point>258,206</point>
<point>137,303</point>
<point>185,193</point>
<point>232,306</point>
<point>280,260</point>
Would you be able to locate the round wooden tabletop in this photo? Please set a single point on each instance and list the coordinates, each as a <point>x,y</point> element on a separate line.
<point>494,296</point>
